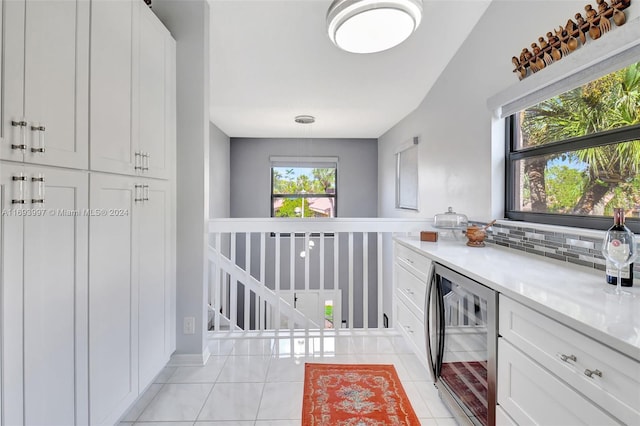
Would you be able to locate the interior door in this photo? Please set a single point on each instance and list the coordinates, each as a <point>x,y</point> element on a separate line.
<point>56,66</point>
<point>11,279</point>
<point>113,298</point>
<point>55,298</point>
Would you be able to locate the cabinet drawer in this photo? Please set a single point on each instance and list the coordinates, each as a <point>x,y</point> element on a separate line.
<point>411,287</point>
<point>502,418</point>
<point>411,326</point>
<point>570,354</point>
<point>532,395</point>
<point>418,264</point>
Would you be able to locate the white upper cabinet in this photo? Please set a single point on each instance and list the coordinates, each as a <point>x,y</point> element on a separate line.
<point>155,84</point>
<point>132,83</point>
<point>45,82</point>
<point>111,117</point>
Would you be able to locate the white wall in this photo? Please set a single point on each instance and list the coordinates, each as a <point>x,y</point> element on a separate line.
<point>188,22</point>
<point>219,173</point>
<point>459,165</point>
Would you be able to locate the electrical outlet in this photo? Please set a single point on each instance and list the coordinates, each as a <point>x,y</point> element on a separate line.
<point>189,325</point>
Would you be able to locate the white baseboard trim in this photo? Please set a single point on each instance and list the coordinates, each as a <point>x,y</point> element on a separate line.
<point>189,360</point>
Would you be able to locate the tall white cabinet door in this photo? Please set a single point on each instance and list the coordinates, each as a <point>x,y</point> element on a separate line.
<point>55,298</point>
<point>56,82</point>
<point>11,279</point>
<point>12,36</point>
<point>113,298</point>
<point>154,142</point>
<point>155,279</point>
<point>111,88</point>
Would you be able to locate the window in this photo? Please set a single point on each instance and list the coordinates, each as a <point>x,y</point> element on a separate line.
<point>303,190</point>
<point>571,159</point>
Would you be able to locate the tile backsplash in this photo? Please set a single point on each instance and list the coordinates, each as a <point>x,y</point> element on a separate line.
<point>572,248</point>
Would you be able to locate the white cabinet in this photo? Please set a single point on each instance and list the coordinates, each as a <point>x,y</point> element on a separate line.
<point>45,82</point>
<point>132,90</point>
<point>156,87</point>
<point>131,280</point>
<point>583,380</point>
<point>112,104</point>
<point>412,272</point>
<point>44,295</point>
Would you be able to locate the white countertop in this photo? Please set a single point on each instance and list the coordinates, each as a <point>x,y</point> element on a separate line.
<point>565,292</point>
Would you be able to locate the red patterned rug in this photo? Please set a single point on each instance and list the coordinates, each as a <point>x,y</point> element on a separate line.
<point>355,394</point>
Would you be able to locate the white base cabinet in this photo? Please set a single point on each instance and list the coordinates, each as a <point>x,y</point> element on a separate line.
<point>131,269</point>
<point>411,274</point>
<point>43,234</point>
<point>549,373</point>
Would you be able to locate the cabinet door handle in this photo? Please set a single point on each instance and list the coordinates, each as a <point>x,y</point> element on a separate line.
<point>39,189</point>
<point>567,358</point>
<point>18,188</point>
<point>138,196</point>
<point>40,137</point>
<point>21,142</point>
<point>591,373</point>
<point>145,161</point>
<point>145,192</point>
<point>137,161</point>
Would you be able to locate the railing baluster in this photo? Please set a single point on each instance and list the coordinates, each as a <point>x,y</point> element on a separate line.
<point>307,255</point>
<point>263,280</point>
<point>379,281</point>
<point>233,309</point>
<point>217,282</point>
<point>247,294</point>
<point>292,273</point>
<point>351,313</point>
<point>336,273</point>
<point>321,281</point>
<point>276,321</point>
<point>365,280</point>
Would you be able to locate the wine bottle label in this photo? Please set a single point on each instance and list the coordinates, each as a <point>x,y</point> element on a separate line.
<point>618,251</point>
<point>613,271</point>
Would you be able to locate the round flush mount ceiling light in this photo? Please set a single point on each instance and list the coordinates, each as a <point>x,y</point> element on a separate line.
<point>368,26</point>
<point>305,119</point>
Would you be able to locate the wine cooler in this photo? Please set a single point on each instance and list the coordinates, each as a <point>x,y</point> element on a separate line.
<point>461,345</point>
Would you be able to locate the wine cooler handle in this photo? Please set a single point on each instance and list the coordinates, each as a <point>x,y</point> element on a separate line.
<point>441,329</point>
<point>427,323</point>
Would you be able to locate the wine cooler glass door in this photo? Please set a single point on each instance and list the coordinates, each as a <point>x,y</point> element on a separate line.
<point>467,358</point>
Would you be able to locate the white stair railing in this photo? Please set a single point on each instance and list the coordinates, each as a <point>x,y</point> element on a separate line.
<point>258,265</point>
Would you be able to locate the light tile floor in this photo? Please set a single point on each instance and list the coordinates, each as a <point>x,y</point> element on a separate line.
<point>259,380</point>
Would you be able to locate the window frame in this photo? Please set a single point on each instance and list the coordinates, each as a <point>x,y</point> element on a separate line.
<point>322,165</point>
<point>607,137</point>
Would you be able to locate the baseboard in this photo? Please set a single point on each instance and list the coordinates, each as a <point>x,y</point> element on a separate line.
<point>189,360</point>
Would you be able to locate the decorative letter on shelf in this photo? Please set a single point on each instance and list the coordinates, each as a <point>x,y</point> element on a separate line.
<point>565,40</point>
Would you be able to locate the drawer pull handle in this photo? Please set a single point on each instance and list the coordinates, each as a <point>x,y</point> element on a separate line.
<point>567,358</point>
<point>409,260</point>
<point>591,373</point>
<point>409,291</point>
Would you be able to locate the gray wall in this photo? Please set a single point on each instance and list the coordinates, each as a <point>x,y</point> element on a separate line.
<point>357,184</point>
<point>188,22</point>
<point>219,173</point>
<point>357,190</point>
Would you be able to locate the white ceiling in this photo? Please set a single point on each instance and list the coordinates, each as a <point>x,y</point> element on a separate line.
<point>272,60</point>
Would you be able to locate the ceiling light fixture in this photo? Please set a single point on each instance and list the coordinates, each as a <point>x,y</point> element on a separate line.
<point>305,119</point>
<point>368,26</point>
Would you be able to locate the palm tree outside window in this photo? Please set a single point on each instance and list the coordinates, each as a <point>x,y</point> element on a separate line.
<point>571,159</point>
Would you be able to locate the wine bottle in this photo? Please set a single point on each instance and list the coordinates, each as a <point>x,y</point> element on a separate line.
<point>627,271</point>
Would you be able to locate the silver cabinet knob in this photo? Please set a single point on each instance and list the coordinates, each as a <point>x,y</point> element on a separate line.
<point>591,373</point>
